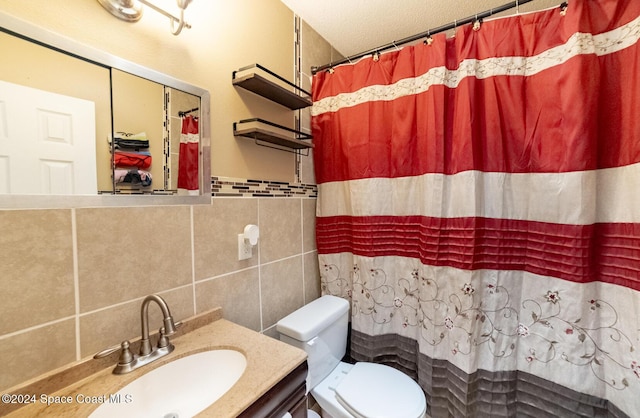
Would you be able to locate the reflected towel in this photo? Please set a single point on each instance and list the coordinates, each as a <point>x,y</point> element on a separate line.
<point>133,176</point>
<point>141,160</point>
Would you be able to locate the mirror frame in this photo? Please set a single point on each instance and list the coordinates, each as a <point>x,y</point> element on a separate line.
<point>29,32</point>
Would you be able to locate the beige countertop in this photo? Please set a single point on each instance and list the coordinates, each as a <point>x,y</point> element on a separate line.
<point>268,361</point>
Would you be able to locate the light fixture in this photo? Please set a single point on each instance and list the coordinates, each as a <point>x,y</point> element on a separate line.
<point>131,11</point>
<point>128,10</point>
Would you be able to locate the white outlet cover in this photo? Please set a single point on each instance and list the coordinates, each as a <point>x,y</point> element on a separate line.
<point>245,250</point>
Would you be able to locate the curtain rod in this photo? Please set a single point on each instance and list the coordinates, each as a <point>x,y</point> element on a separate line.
<point>426,34</point>
<point>186,112</point>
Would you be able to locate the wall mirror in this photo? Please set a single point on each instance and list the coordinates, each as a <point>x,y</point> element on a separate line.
<point>106,131</point>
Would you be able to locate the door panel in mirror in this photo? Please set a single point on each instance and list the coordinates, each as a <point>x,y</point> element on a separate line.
<point>35,66</point>
<point>46,142</point>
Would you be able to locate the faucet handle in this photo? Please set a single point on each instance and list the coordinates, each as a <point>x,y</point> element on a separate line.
<point>163,337</point>
<point>107,351</point>
<point>126,356</point>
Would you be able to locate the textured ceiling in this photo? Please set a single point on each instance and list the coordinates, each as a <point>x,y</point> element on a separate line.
<point>354,26</point>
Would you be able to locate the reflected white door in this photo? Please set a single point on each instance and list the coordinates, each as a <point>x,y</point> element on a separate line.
<point>47,142</point>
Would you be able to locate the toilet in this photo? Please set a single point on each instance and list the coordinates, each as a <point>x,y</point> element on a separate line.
<point>343,390</point>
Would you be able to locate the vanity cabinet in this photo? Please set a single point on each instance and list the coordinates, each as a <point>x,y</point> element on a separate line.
<point>288,395</point>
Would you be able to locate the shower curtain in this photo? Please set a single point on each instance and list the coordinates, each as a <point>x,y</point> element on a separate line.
<point>188,157</point>
<point>479,205</point>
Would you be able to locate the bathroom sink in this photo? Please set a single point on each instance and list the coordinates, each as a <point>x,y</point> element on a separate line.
<point>179,389</point>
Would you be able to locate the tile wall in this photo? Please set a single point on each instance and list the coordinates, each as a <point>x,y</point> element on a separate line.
<point>73,279</point>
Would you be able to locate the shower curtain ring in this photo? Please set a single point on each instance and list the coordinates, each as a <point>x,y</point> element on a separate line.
<point>428,40</point>
<point>477,23</point>
<point>563,8</point>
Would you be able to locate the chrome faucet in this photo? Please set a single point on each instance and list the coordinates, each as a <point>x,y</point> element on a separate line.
<point>128,361</point>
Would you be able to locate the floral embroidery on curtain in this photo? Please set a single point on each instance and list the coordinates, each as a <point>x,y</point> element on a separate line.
<point>479,196</point>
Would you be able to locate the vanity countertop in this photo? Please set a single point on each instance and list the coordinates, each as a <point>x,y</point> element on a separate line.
<point>268,362</point>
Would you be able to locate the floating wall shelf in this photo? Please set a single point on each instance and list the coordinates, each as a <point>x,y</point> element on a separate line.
<point>249,79</point>
<point>269,132</point>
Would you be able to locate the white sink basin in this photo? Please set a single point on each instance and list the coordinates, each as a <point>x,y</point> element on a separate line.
<point>179,389</point>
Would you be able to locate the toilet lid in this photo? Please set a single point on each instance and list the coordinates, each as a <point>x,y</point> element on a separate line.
<point>376,391</point>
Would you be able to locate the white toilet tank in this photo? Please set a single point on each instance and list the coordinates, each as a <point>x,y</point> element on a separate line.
<point>320,329</point>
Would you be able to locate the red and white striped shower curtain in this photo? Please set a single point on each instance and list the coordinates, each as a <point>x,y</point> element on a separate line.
<point>188,156</point>
<point>479,204</point>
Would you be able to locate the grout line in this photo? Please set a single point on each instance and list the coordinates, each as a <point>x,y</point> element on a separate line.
<point>76,279</point>
<point>260,274</point>
<point>219,276</point>
<point>281,259</point>
<point>193,261</point>
<point>115,305</point>
<point>39,326</point>
<point>271,327</point>
<point>208,279</point>
<point>304,281</point>
<point>79,315</point>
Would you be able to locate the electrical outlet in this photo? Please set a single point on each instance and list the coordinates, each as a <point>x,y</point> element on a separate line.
<point>244,248</point>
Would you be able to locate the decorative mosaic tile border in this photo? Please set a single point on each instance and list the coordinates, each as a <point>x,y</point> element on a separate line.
<point>236,187</point>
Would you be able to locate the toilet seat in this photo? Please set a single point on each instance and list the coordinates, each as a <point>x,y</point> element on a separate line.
<point>372,390</point>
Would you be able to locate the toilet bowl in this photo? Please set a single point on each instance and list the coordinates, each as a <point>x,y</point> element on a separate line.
<point>343,390</point>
